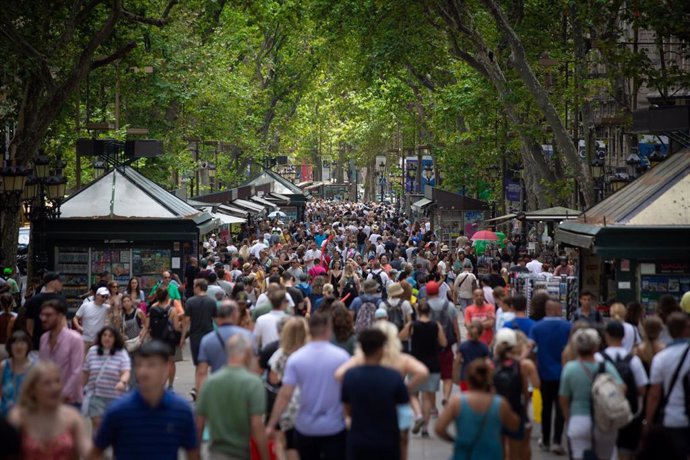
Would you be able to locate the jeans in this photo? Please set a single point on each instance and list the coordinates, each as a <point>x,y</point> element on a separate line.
<point>331,447</point>
<point>549,396</point>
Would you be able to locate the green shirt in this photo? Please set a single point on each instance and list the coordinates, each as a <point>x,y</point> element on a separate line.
<point>173,290</point>
<point>576,385</point>
<point>262,309</point>
<point>227,400</point>
<point>14,288</point>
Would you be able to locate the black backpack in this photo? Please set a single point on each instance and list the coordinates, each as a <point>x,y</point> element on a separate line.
<point>160,326</point>
<point>350,288</point>
<point>446,322</point>
<point>623,367</point>
<point>379,280</point>
<point>508,383</point>
<point>395,314</point>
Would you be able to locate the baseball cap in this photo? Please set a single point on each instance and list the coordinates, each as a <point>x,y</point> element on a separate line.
<point>381,313</point>
<point>7,271</point>
<point>103,291</point>
<point>506,336</point>
<point>432,288</point>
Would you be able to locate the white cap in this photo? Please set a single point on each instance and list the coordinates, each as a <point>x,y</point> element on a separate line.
<point>103,291</point>
<point>506,336</point>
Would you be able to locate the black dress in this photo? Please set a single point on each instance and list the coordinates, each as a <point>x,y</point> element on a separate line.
<point>425,344</point>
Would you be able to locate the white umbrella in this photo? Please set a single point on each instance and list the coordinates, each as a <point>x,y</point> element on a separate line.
<point>279,214</point>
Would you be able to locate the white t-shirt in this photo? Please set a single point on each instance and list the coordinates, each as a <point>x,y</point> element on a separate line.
<point>266,328</point>
<point>263,298</point>
<point>534,266</point>
<point>630,338</point>
<point>636,365</point>
<point>373,237</point>
<point>663,367</point>
<point>464,284</point>
<point>257,248</point>
<point>92,319</point>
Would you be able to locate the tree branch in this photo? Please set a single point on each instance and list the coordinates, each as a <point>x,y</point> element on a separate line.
<point>28,50</point>
<point>120,53</point>
<point>160,22</point>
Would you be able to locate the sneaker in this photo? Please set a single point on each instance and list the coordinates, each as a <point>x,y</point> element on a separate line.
<point>193,394</point>
<point>417,425</point>
<point>543,446</point>
<point>425,433</point>
<point>557,449</point>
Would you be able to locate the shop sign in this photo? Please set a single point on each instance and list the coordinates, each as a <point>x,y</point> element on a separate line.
<point>673,267</point>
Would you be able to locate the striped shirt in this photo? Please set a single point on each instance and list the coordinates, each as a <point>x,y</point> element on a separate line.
<point>136,430</point>
<point>105,371</point>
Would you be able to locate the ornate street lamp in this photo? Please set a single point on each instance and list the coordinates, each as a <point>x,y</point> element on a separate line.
<point>597,168</point>
<point>13,180</point>
<point>99,168</point>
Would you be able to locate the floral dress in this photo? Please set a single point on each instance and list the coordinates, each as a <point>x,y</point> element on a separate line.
<point>11,386</point>
<point>277,364</point>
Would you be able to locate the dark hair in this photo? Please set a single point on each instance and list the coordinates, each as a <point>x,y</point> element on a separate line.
<point>56,304</point>
<point>342,322</point>
<point>212,277</point>
<point>538,306</point>
<point>201,284</point>
<point>479,375</point>
<point>277,297</point>
<point>6,301</point>
<point>274,279</point>
<point>634,313</point>
<point>162,294</point>
<point>287,276</point>
<point>117,346</point>
<point>677,323</point>
<point>319,323</point>
<point>519,302</point>
<point>137,291</point>
<point>18,336</point>
<point>371,341</point>
<point>236,289</point>
<point>615,330</point>
<point>155,348</point>
<point>667,304</point>
<point>423,307</point>
<point>585,293</point>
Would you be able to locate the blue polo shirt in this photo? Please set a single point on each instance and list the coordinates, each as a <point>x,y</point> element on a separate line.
<point>136,430</point>
<point>551,336</point>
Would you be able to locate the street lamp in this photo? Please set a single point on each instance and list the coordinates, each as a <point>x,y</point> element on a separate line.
<point>382,177</point>
<point>411,176</point>
<point>633,161</point>
<point>13,180</point>
<point>99,167</point>
<point>42,197</point>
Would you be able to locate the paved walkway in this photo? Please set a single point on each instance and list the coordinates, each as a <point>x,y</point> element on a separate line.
<point>420,449</point>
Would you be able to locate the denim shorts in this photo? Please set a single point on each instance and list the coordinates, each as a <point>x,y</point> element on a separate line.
<point>431,384</point>
<point>405,417</point>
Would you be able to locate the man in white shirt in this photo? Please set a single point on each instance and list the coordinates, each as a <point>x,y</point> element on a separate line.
<point>257,248</point>
<point>266,327</point>
<point>665,365</point>
<point>90,318</point>
<point>534,266</point>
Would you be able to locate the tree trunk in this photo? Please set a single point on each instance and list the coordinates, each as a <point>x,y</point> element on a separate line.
<point>541,97</point>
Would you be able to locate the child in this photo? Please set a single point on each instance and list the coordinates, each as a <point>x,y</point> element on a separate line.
<point>470,350</point>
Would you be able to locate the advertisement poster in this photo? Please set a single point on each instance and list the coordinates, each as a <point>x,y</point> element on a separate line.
<point>428,174</point>
<point>472,218</point>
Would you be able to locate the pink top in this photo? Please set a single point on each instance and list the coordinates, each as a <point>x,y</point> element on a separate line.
<point>59,448</point>
<point>68,354</point>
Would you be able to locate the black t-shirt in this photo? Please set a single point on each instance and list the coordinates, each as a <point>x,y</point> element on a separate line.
<point>266,352</point>
<point>201,310</point>
<point>496,280</point>
<point>297,298</point>
<point>373,393</point>
<point>425,344</point>
<point>33,311</point>
<point>189,276</point>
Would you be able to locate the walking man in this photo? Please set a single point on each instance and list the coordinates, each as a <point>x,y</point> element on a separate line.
<point>234,386</point>
<point>149,422</point>
<point>320,426</point>
<point>65,348</point>
<point>550,335</point>
<point>90,317</point>
<point>199,312</point>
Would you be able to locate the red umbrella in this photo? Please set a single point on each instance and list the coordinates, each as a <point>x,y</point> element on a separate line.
<point>486,235</point>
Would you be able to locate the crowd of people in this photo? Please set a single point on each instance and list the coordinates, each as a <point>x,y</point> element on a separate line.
<point>340,337</point>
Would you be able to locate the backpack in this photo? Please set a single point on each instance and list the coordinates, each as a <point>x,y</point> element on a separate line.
<point>379,280</point>
<point>395,314</point>
<point>349,288</point>
<point>443,317</point>
<point>365,316</point>
<point>508,383</point>
<point>622,365</point>
<point>610,407</point>
<point>160,326</point>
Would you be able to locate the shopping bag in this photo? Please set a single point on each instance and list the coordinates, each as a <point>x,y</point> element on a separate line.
<point>254,450</point>
<point>536,405</point>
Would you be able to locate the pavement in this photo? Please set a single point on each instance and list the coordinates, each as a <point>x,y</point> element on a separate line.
<point>430,448</point>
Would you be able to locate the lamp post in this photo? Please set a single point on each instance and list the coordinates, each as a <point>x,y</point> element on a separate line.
<point>382,177</point>
<point>42,198</point>
<point>212,170</point>
<point>597,170</point>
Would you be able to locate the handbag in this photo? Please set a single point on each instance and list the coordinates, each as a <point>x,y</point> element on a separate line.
<point>132,345</point>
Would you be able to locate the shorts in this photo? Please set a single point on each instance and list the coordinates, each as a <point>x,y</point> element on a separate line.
<point>629,436</point>
<point>405,417</point>
<point>519,434</point>
<point>445,357</point>
<point>290,439</point>
<point>431,384</point>
<point>98,406</point>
